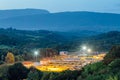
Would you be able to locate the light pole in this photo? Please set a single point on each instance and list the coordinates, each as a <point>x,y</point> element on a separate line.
<point>36,54</point>
<point>89,50</point>
<point>86,50</point>
<point>84,47</point>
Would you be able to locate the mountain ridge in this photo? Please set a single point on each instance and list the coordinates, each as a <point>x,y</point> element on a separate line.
<point>65,21</point>
<point>21,12</point>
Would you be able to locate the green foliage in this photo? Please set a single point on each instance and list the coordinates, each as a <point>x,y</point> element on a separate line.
<point>102,42</point>
<point>95,71</point>
<point>115,64</point>
<point>66,75</point>
<point>113,78</point>
<point>53,76</point>
<point>17,72</point>
<point>19,58</point>
<point>30,39</point>
<point>3,72</point>
<point>113,54</point>
<point>46,76</point>
<point>95,77</point>
<point>101,71</point>
<point>34,74</point>
<point>92,69</point>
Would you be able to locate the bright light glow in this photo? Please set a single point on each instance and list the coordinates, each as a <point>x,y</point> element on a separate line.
<point>53,68</point>
<point>89,50</point>
<point>84,47</point>
<point>36,53</point>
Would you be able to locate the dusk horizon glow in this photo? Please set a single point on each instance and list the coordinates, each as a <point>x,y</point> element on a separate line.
<point>107,6</point>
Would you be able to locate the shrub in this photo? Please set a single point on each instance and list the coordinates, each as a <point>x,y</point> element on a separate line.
<point>113,54</point>
<point>3,72</point>
<point>10,58</point>
<point>34,74</point>
<point>17,72</point>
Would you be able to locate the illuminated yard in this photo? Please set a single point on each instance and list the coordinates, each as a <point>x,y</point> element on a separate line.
<point>52,68</point>
<point>62,63</point>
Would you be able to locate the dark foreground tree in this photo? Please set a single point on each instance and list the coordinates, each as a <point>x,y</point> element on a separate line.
<point>3,72</point>
<point>34,74</point>
<point>113,54</point>
<point>17,72</point>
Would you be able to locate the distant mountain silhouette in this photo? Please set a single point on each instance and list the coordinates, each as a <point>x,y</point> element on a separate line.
<point>63,21</point>
<point>20,12</point>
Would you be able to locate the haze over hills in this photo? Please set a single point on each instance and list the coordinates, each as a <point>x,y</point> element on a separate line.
<point>20,12</point>
<point>12,38</point>
<point>32,19</point>
<point>104,41</point>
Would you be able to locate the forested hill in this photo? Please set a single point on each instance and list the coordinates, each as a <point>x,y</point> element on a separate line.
<point>20,12</point>
<point>103,41</point>
<point>12,38</point>
<point>30,39</point>
<point>63,21</point>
